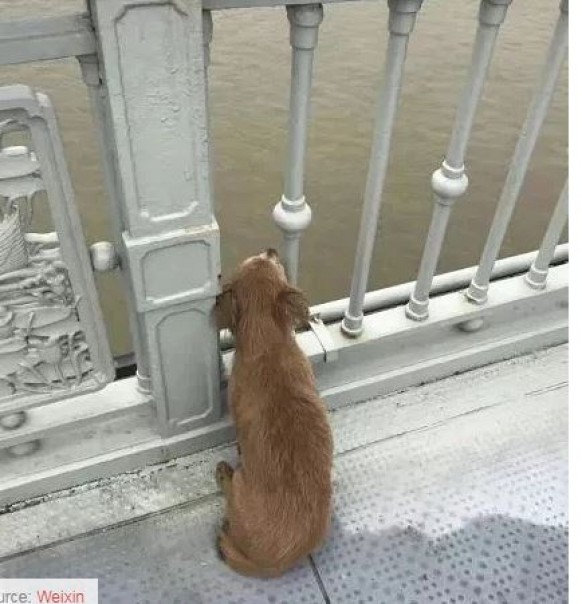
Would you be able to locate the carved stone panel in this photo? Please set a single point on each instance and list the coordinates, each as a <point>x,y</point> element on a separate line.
<point>52,337</point>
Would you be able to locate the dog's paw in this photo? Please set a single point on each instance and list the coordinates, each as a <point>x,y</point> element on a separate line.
<point>223,474</point>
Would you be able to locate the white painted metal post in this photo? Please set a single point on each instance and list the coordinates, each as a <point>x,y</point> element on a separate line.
<point>152,57</point>
<point>292,214</point>
<point>450,182</point>
<point>537,275</point>
<point>401,22</point>
<point>538,108</point>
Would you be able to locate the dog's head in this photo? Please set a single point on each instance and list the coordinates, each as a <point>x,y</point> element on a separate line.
<point>259,289</point>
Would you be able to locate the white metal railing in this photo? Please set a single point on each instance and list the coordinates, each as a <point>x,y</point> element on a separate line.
<point>362,345</point>
<point>450,181</point>
<point>477,291</point>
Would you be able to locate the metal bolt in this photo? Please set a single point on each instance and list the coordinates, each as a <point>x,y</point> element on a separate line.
<point>472,325</point>
<point>12,421</point>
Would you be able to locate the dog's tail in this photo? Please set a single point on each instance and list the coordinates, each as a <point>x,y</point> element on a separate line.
<point>240,563</point>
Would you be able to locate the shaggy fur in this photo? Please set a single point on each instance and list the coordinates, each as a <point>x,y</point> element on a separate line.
<point>279,498</point>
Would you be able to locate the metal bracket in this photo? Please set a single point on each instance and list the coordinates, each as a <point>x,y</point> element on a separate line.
<point>321,332</point>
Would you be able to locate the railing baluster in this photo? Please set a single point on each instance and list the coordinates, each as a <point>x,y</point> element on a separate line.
<point>401,22</point>
<point>292,214</point>
<point>450,182</point>
<point>477,291</point>
<point>538,272</point>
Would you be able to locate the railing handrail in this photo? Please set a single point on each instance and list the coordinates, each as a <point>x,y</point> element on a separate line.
<point>50,38</point>
<point>226,4</point>
<point>46,38</point>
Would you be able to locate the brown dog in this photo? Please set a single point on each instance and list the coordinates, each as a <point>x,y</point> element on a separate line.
<point>279,499</point>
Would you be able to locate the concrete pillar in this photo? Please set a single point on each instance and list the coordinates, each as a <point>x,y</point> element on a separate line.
<point>152,61</point>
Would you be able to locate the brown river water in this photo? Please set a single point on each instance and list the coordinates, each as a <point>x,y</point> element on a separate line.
<point>249,91</point>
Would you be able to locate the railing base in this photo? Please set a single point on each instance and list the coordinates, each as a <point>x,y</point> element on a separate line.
<point>520,389</point>
<point>396,352</point>
<point>75,457</point>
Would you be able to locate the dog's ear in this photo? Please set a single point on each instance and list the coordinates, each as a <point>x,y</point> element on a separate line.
<point>294,304</point>
<point>225,309</point>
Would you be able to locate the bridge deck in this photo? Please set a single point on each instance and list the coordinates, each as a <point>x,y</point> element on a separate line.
<point>450,492</point>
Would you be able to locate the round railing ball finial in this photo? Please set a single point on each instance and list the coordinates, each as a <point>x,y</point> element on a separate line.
<point>292,217</point>
<point>103,256</point>
<point>449,188</point>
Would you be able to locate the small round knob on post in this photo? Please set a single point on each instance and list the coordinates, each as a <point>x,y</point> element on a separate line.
<point>103,256</point>
<point>292,217</point>
<point>472,325</point>
<point>13,421</point>
<point>448,184</point>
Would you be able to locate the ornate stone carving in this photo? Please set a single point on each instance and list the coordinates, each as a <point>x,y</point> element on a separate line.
<point>42,347</point>
<point>45,354</point>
